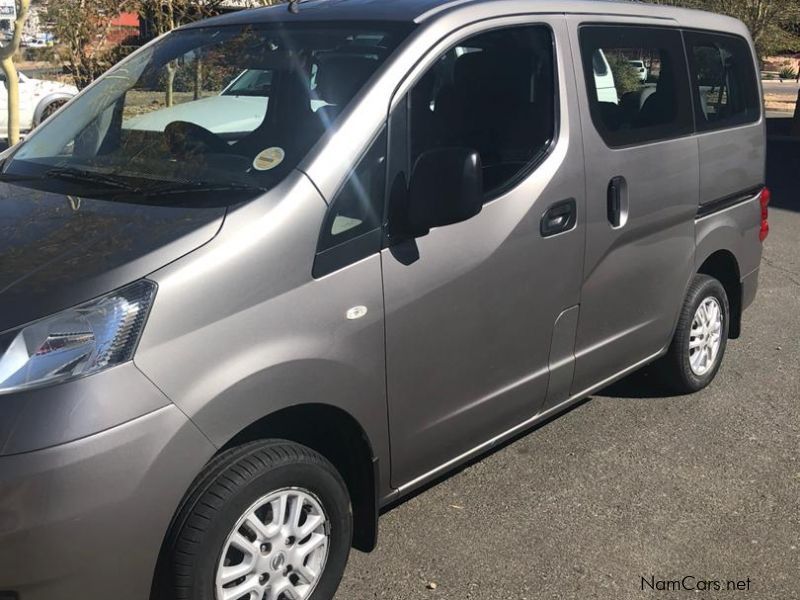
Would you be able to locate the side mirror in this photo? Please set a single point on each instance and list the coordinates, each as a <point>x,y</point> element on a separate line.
<point>446,188</point>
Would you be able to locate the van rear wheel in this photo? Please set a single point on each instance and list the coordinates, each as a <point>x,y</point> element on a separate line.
<point>269,520</point>
<point>697,350</point>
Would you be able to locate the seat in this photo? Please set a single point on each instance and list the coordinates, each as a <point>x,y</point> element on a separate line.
<point>612,115</point>
<point>290,123</point>
<point>660,107</point>
<point>424,122</point>
<point>339,79</point>
<point>633,102</point>
<point>492,107</point>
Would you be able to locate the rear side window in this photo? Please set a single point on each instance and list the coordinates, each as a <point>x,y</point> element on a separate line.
<point>637,82</point>
<point>724,80</point>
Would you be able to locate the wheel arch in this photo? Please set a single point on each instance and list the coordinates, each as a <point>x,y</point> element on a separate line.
<point>728,248</point>
<point>333,433</point>
<point>723,266</point>
<point>47,101</point>
<point>340,438</point>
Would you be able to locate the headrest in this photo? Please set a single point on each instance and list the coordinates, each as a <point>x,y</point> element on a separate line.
<point>341,76</point>
<point>473,69</point>
<point>495,75</point>
<point>294,98</point>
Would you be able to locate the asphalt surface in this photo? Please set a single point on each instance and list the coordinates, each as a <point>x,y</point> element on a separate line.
<point>788,87</point>
<point>630,484</point>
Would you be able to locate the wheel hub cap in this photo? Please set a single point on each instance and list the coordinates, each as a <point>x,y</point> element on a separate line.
<point>279,561</point>
<point>276,551</point>
<point>705,339</point>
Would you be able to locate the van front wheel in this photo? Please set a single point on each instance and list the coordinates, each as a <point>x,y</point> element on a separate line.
<point>269,520</point>
<point>698,347</point>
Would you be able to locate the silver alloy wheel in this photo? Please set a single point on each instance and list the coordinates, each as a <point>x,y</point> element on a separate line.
<point>277,550</point>
<point>705,339</point>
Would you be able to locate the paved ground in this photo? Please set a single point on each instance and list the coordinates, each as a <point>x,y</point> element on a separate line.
<point>629,484</point>
<point>776,87</point>
<point>781,96</point>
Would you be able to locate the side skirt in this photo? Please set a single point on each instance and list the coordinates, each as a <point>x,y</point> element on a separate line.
<point>420,481</point>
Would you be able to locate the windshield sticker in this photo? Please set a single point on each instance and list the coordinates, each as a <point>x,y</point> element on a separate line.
<point>269,159</point>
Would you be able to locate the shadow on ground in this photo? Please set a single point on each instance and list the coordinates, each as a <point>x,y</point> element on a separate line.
<point>642,384</point>
<point>783,173</point>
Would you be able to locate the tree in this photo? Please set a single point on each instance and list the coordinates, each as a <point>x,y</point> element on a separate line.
<point>166,15</point>
<point>83,27</point>
<point>7,52</point>
<point>626,77</point>
<point>772,23</point>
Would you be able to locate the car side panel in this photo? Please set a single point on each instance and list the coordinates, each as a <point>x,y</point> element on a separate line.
<point>252,332</point>
<point>733,164</point>
<point>635,276</point>
<point>732,161</point>
<point>469,323</point>
<point>735,230</point>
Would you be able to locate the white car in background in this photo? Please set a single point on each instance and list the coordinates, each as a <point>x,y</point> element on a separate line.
<point>241,106</point>
<point>604,79</point>
<point>38,100</point>
<point>640,69</point>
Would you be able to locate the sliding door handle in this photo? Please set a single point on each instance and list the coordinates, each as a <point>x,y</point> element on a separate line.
<point>617,197</point>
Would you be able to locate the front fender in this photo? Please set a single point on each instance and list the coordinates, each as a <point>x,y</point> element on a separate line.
<point>240,329</point>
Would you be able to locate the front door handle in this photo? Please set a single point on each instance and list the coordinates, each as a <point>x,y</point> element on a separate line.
<point>559,218</point>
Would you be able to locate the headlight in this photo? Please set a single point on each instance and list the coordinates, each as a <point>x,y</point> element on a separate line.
<point>76,342</point>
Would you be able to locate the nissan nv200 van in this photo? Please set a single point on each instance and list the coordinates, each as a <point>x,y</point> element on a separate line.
<point>281,268</point>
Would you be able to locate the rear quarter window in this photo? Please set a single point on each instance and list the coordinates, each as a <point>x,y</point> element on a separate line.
<point>724,80</point>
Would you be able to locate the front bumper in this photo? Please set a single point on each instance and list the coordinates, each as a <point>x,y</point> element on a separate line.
<point>85,520</point>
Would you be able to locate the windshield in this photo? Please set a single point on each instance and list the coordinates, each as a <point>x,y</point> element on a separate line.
<point>205,109</point>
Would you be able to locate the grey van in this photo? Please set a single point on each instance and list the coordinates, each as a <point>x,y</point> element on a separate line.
<point>279,269</point>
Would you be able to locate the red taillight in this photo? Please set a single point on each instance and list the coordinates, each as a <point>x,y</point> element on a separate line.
<point>765,198</point>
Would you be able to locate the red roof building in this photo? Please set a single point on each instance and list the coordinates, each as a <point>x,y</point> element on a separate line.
<point>126,20</point>
<point>124,27</point>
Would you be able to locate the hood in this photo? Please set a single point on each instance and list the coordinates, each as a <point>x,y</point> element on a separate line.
<point>57,251</point>
<point>220,114</point>
<point>40,86</point>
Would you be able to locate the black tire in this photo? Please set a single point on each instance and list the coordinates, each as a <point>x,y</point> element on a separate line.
<point>51,109</point>
<point>675,368</point>
<point>222,494</point>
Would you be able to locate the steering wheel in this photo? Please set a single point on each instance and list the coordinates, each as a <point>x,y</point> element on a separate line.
<point>186,139</point>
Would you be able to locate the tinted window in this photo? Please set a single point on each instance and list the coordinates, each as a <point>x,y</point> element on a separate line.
<point>642,93</point>
<point>724,79</point>
<point>358,207</point>
<point>494,93</point>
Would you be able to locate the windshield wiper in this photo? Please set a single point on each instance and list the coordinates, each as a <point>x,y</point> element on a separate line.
<point>149,187</point>
<point>177,187</point>
<point>11,178</point>
<point>91,177</point>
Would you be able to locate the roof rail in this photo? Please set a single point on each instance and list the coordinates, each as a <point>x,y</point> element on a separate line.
<point>439,9</point>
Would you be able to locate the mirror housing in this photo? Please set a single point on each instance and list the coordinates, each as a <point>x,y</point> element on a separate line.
<point>446,188</point>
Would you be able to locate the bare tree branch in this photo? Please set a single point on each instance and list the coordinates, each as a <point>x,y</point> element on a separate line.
<point>7,53</point>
